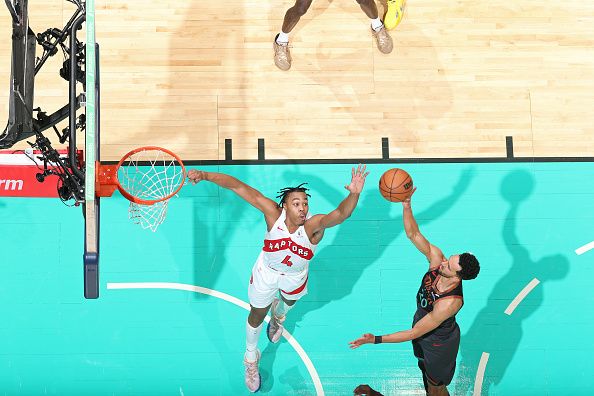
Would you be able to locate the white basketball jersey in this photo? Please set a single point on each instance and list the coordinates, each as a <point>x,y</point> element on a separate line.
<point>286,252</point>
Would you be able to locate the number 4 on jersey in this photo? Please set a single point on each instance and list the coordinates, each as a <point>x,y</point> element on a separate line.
<point>286,261</point>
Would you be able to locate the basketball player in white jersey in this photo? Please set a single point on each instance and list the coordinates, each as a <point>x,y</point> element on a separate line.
<point>289,244</point>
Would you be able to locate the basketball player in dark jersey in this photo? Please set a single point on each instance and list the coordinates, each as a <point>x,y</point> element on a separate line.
<point>435,335</point>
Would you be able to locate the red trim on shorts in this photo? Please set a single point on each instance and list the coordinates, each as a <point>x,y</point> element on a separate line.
<point>299,289</point>
<point>252,279</point>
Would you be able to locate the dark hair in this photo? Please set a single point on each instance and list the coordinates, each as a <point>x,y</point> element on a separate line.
<point>470,266</point>
<point>282,194</point>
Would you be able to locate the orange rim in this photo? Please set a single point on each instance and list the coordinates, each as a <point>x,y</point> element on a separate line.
<point>137,200</point>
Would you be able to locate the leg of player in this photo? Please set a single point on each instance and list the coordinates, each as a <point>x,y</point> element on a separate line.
<point>383,39</point>
<point>252,354</point>
<point>278,314</point>
<point>282,56</point>
<point>422,367</point>
<point>440,390</point>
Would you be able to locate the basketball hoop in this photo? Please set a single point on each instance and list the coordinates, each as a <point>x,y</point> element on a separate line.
<point>148,177</point>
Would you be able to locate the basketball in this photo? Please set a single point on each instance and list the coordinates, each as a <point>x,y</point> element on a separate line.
<point>395,185</point>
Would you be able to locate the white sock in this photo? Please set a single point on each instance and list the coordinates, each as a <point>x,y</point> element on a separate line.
<point>252,334</point>
<point>281,310</point>
<point>376,24</point>
<point>282,38</point>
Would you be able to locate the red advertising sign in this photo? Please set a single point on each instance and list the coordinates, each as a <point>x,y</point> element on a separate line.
<point>18,176</point>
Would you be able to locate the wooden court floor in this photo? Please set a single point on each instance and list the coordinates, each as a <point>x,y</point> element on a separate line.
<point>463,75</point>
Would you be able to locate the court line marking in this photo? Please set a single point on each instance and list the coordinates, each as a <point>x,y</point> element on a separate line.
<point>521,295</point>
<point>480,374</point>
<point>233,300</point>
<point>585,248</point>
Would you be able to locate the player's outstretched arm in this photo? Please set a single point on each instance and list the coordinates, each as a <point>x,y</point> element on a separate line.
<point>441,311</point>
<point>254,197</point>
<point>434,254</point>
<point>318,223</point>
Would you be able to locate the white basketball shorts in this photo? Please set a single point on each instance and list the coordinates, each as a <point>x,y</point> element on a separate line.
<point>266,283</point>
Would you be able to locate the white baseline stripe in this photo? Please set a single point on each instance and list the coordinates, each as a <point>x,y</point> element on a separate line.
<point>480,374</point>
<point>240,303</point>
<point>585,248</point>
<point>521,295</point>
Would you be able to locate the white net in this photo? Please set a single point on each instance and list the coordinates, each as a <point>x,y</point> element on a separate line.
<point>148,216</point>
<point>151,176</point>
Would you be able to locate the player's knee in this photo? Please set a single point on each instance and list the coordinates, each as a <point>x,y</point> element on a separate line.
<point>301,6</point>
<point>255,321</point>
<point>256,316</point>
<point>290,303</point>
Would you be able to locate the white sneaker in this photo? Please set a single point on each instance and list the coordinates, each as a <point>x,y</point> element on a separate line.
<point>383,39</point>
<point>282,55</point>
<point>274,331</point>
<point>252,374</point>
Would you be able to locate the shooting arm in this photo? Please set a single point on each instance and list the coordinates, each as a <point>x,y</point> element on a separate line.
<point>433,253</point>
<point>412,231</point>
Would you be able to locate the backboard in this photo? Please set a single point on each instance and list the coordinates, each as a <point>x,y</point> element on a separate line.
<point>91,206</point>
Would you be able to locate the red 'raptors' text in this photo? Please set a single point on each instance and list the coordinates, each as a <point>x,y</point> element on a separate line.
<point>275,245</point>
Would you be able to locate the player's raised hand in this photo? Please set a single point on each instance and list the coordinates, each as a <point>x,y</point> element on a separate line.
<point>406,202</point>
<point>366,338</point>
<point>196,175</point>
<point>357,179</point>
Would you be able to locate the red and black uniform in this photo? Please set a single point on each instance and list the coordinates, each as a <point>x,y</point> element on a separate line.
<point>437,350</point>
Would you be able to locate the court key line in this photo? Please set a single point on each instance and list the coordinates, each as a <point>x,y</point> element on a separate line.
<point>585,248</point>
<point>480,374</point>
<point>521,295</point>
<point>233,300</point>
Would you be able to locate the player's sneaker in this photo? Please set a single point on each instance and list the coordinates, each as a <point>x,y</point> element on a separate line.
<point>394,14</point>
<point>282,56</point>
<point>384,41</point>
<point>252,374</point>
<point>275,326</point>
